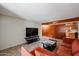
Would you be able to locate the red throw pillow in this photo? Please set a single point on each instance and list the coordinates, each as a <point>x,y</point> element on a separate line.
<point>68,40</point>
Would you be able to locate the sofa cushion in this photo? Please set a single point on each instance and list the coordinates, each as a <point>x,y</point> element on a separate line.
<point>76,54</point>
<point>68,40</point>
<point>75,47</point>
<point>66,45</point>
<point>43,52</point>
<point>64,51</point>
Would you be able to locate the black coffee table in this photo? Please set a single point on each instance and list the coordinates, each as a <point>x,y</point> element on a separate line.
<point>51,45</point>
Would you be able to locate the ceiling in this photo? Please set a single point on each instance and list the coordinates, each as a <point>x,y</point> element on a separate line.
<point>41,12</point>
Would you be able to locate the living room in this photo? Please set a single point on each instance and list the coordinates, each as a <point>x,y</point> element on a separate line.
<point>39,29</point>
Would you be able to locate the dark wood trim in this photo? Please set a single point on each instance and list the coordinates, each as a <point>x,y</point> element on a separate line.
<point>62,21</point>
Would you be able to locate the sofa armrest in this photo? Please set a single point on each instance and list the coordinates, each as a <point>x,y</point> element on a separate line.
<point>24,52</point>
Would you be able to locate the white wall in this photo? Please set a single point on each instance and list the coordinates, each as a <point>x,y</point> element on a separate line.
<point>31,24</point>
<point>12,31</point>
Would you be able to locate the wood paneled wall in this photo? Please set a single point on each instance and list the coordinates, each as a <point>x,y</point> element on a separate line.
<point>58,30</point>
<point>53,31</point>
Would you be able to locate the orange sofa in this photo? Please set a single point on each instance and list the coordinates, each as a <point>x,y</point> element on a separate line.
<point>36,52</point>
<point>69,47</point>
<point>65,49</point>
